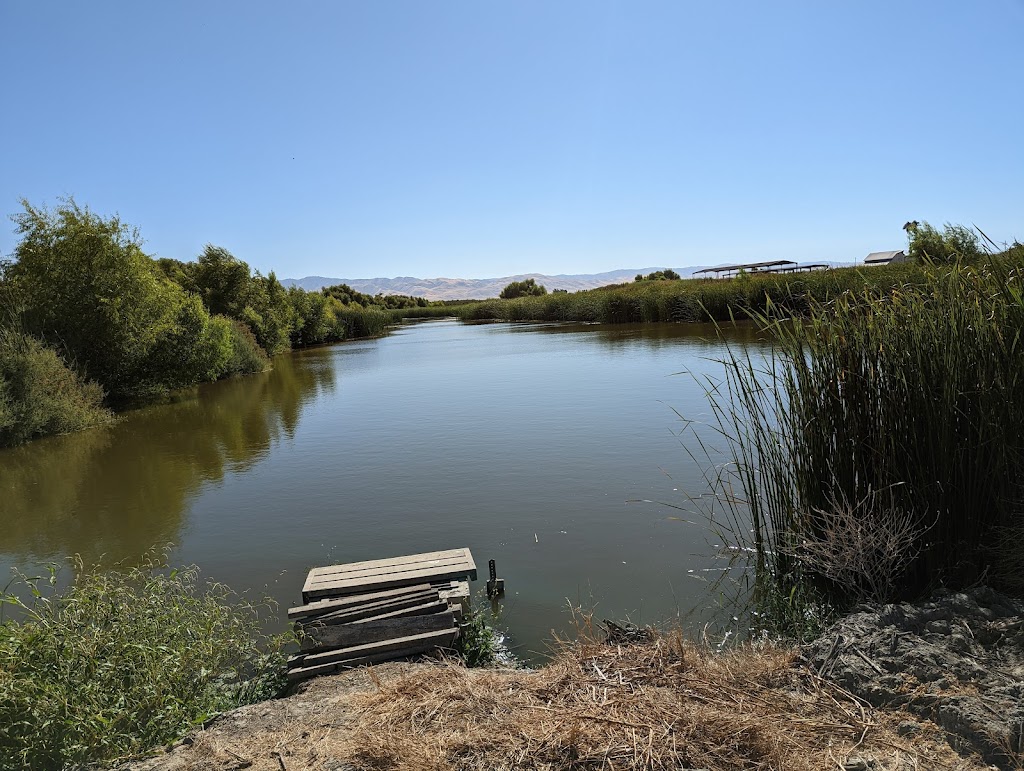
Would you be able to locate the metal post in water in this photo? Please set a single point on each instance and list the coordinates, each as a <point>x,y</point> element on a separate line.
<point>495,585</point>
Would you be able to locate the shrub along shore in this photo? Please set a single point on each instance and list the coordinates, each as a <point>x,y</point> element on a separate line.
<point>122,661</point>
<point>89,323</point>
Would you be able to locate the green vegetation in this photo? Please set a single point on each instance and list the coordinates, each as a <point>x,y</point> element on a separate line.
<point>91,321</point>
<point>122,662</point>
<point>346,295</point>
<point>85,287</point>
<point>692,299</point>
<point>659,275</point>
<point>526,288</point>
<point>436,310</point>
<point>477,643</point>
<point>39,394</point>
<point>955,243</point>
<point>879,451</point>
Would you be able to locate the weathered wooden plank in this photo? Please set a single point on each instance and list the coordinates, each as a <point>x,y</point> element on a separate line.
<point>326,606</point>
<point>437,566</point>
<point>404,605</point>
<point>354,586</point>
<point>456,591</point>
<point>428,607</point>
<point>297,674</point>
<point>416,596</point>
<point>396,647</point>
<point>391,573</point>
<point>391,562</point>
<point>375,630</point>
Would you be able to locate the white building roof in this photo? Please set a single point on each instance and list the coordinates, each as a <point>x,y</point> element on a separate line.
<point>882,256</point>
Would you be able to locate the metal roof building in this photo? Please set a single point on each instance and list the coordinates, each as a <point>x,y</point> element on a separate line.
<point>885,258</point>
<point>775,266</point>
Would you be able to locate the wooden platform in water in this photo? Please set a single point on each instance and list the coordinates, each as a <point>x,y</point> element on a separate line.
<point>375,575</point>
<point>368,612</point>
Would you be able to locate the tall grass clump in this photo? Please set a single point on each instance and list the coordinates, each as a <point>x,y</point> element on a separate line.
<point>438,311</point>
<point>357,321</point>
<point>880,449</point>
<point>121,662</point>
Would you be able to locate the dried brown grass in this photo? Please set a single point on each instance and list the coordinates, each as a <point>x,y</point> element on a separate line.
<point>666,704</point>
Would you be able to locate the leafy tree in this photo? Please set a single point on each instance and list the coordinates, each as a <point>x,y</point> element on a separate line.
<point>526,288</point>
<point>313,316</point>
<point>221,279</point>
<point>193,349</point>
<point>659,275</point>
<point>346,295</point>
<point>179,272</point>
<point>268,313</point>
<point>89,289</point>
<point>955,243</point>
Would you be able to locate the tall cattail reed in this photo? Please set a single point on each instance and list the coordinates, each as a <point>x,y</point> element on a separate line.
<point>880,449</point>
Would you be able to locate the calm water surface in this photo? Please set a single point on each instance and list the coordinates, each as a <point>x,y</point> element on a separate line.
<point>526,443</point>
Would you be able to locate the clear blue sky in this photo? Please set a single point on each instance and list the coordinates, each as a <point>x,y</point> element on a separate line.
<point>478,139</point>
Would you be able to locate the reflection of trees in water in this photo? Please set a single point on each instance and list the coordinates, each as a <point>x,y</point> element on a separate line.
<point>118,491</point>
<point>617,336</point>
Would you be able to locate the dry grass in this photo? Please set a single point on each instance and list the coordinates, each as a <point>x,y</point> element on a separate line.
<point>664,704</point>
<point>668,704</point>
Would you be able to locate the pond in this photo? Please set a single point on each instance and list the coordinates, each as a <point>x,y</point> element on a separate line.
<point>556,450</point>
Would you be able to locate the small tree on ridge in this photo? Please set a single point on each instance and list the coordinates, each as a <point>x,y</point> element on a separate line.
<point>527,288</point>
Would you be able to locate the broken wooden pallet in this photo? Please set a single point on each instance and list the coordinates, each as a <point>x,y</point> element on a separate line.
<point>376,575</point>
<point>367,612</point>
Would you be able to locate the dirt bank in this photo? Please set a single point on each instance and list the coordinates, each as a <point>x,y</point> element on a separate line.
<point>660,704</point>
<point>957,660</point>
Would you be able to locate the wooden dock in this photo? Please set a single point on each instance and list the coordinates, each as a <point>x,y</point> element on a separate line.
<point>369,612</point>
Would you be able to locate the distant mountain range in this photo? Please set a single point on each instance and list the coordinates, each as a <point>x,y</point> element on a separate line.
<point>473,288</point>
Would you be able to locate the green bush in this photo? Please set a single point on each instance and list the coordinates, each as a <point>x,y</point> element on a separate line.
<point>526,288</point>
<point>124,661</point>
<point>477,643</point>
<point>85,285</point>
<point>954,243</point>
<point>40,395</point>
<point>191,348</point>
<point>247,357</point>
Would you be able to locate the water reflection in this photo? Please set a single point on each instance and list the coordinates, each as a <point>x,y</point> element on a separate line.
<point>117,491</point>
<point>743,334</point>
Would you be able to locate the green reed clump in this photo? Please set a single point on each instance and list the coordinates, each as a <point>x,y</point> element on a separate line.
<point>880,449</point>
<point>356,321</point>
<point>124,661</point>
<point>431,311</point>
